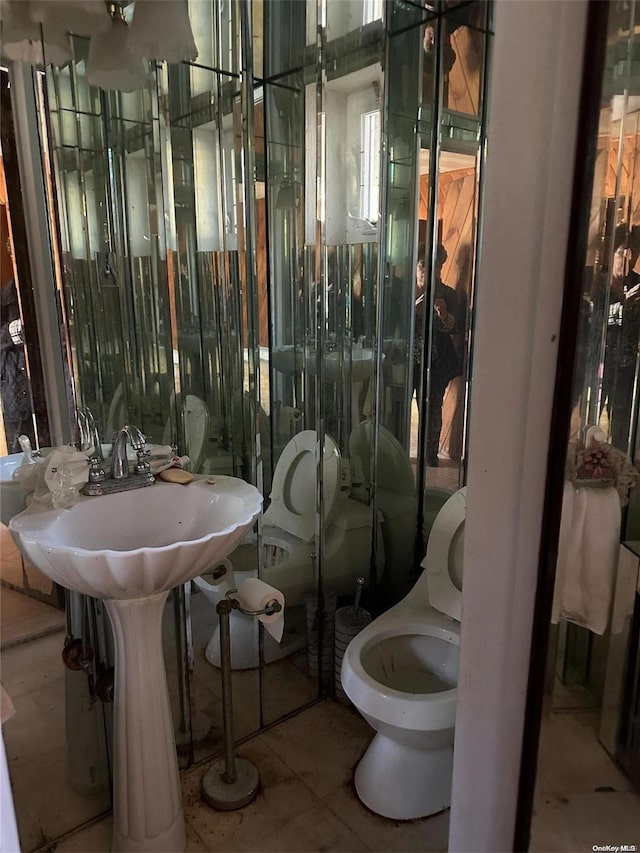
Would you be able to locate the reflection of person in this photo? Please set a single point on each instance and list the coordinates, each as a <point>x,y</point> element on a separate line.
<point>623,332</point>
<point>445,362</point>
<point>14,384</point>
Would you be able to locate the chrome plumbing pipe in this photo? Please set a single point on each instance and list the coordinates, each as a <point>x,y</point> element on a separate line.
<point>356,601</point>
<point>234,782</point>
<point>224,609</point>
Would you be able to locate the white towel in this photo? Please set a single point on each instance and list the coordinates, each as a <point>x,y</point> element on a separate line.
<point>564,550</point>
<point>587,556</point>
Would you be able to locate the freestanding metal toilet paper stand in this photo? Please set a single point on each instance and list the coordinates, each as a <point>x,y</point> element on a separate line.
<point>232,782</point>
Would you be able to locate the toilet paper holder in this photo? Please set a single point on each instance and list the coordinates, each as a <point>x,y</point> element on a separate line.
<point>232,783</point>
<point>269,609</point>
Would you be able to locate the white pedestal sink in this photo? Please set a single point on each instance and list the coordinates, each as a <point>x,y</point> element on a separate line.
<point>130,549</point>
<point>358,368</point>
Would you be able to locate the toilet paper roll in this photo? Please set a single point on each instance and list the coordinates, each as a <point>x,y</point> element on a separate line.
<point>220,578</point>
<point>289,418</point>
<point>254,594</point>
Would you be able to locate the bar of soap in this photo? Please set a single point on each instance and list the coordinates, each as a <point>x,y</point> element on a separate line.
<point>176,475</point>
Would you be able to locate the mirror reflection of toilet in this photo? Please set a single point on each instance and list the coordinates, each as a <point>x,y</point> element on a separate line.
<point>401,673</point>
<point>196,429</point>
<point>395,495</point>
<point>289,541</point>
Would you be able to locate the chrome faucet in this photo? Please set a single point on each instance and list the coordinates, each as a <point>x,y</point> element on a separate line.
<point>121,479</point>
<point>119,462</point>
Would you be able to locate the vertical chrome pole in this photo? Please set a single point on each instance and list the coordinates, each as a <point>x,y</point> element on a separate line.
<point>224,610</point>
<point>230,783</point>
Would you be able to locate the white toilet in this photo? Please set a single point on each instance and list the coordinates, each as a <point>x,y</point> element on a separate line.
<point>289,537</point>
<point>401,673</point>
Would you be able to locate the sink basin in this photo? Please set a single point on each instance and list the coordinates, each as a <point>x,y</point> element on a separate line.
<point>288,359</point>
<point>357,368</point>
<point>13,495</point>
<point>130,549</point>
<point>138,543</point>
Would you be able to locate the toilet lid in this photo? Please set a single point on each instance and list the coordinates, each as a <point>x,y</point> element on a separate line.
<point>443,562</point>
<point>393,471</point>
<point>293,494</point>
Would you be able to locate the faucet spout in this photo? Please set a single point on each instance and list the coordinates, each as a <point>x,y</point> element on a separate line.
<point>119,462</point>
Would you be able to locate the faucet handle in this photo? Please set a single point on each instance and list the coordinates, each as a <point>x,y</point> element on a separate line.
<point>142,465</point>
<point>96,471</point>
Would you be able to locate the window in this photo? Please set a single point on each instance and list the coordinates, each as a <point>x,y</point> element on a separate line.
<point>371,11</point>
<point>370,165</point>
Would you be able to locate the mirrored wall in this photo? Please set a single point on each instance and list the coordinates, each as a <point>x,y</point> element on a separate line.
<point>268,261</point>
<point>594,653</point>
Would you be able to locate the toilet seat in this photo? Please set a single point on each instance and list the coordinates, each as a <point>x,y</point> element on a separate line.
<point>443,562</point>
<point>293,494</point>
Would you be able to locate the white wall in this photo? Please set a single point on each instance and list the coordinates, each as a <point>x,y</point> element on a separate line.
<point>534,94</point>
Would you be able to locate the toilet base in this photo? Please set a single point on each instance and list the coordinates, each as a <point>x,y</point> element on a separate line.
<point>402,782</point>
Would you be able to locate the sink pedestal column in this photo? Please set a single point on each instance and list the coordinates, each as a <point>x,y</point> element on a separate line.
<point>147,798</point>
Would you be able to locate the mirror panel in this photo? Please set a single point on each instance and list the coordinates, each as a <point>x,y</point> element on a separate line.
<point>593,655</point>
<point>240,242</point>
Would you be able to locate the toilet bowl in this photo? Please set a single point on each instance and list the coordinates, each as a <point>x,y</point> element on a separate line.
<point>401,673</point>
<point>289,544</point>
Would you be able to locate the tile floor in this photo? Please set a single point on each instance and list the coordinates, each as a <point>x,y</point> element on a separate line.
<point>306,765</point>
<point>582,799</point>
<point>307,802</point>
<point>23,618</point>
